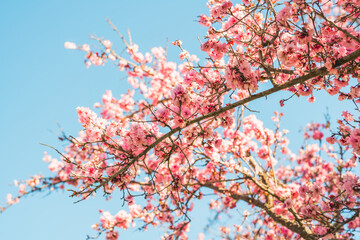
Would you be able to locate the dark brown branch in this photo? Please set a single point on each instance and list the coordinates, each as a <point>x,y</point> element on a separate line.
<point>304,232</point>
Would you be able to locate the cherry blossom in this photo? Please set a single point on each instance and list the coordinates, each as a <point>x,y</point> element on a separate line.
<point>185,131</point>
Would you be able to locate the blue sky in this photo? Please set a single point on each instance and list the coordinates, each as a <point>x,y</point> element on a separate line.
<point>41,83</point>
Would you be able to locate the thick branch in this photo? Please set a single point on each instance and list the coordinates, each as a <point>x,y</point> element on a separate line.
<point>304,232</point>
<point>315,73</point>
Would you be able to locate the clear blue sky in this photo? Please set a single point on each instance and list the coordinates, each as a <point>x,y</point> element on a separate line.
<point>41,84</point>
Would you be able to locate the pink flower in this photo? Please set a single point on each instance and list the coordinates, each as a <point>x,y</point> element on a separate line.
<point>330,140</point>
<point>70,45</point>
<point>288,203</point>
<point>201,236</point>
<point>206,46</point>
<point>186,112</point>
<point>354,140</point>
<point>163,114</point>
<point>316,190</point>
<point>192,77</point>
<point>107,43</point>
<point>22,188</point>
<point>311,99</point>
<point>112,235</point>
<point>123,219</point>
<point>347,116</point>
<point>263,152</point>
<point>9,199</point>
<point>328,65</point>
<point>85,47</point>
<point>47,158</point>
<point>309,210</point>
<point>349,181</point>
<point>130,200</point>
<point>319,230</point>
<point>55,165</point>
<point>177,43</point>
<point>226,5</point>
<point>218,143</point>
<point>216,11</point>
<point>107,220</point>
<point>179,95</point>
<point>184,54</point>
<point>239,74</point>
<point>285,13</point>
<point>204,20</point>
<point>135,211</point>
<point>317,135</point>
<point>303,191</point>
